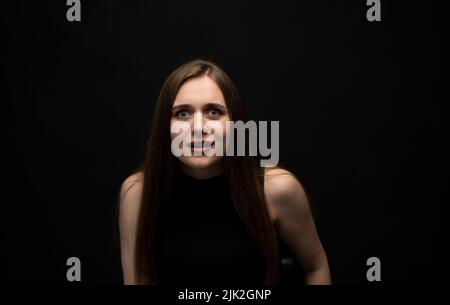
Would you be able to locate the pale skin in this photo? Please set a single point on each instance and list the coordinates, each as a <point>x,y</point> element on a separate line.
<point>287,202</point>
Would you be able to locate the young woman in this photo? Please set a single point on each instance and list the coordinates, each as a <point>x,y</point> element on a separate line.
<point>211,219</point>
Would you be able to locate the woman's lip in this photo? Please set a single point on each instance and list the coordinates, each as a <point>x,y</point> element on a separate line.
<point>201,149</point>
<point>199,144</point>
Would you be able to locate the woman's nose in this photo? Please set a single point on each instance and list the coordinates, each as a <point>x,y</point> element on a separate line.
<point>198,124</point>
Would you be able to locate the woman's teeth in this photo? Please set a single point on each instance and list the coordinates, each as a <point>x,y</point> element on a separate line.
<point>201,149</point>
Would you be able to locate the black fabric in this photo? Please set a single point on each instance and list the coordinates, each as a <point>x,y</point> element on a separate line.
<point>201,239</point>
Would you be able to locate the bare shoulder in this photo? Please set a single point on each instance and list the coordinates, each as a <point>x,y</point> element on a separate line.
<point>130,195</point>
<point>279,182</point>
<point>130,199</point>
<point>284,192</point>
<point>132,183</point>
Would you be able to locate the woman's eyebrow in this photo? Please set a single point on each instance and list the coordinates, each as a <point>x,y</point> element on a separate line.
<point>215,105</point>
<point>208,105</point>
<point>181,106</point>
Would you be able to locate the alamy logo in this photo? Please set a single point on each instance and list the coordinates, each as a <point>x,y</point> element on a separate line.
<point>374,272</point>
<point>374,12</point>
<point>216,144</point>
<point>74,11</point>
<point>74,272</point>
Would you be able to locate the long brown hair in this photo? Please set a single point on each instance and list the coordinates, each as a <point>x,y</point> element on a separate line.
<point>244,176</point>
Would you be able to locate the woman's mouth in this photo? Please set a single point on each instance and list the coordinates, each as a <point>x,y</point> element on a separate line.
<point>199,148</point>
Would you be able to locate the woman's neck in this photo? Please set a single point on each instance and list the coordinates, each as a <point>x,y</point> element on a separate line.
<point>203,173</point>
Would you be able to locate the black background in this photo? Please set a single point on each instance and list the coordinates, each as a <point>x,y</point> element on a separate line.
<point>360,105</point>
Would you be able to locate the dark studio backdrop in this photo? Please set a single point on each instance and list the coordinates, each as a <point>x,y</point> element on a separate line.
<point>360,105</point>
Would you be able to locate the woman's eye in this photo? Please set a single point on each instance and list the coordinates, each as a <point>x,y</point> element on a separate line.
<point>182,114</point>
<point>214,112</point>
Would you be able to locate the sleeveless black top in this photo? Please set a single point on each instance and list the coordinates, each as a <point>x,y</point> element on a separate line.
<point>200,238</point>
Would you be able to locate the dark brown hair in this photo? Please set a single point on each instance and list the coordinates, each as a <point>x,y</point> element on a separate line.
<point>243,174</point>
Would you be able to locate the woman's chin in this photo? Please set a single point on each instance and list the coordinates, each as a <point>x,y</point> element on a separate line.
<point>200,161</point>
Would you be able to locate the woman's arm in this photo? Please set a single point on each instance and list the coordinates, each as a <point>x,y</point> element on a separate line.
<point>296,225</point>
<point>130,193</point>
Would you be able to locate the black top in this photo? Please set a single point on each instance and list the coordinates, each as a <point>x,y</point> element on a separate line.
<point>200,238</point>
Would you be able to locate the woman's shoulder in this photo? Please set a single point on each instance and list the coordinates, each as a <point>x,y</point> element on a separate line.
<point>133,181</point>
<point>283,190</point>
<point>130,193</point>
<point>280,180</point>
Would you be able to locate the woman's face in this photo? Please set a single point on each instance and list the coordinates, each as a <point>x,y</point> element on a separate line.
<point>200,98</point>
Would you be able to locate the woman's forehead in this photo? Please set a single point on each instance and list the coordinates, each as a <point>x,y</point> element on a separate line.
<point>198,92</point>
